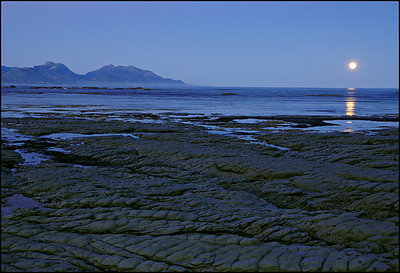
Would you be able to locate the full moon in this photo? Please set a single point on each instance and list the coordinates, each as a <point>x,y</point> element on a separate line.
<point>352,65</point>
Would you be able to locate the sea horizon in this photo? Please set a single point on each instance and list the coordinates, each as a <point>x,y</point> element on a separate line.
<point>186,85</point>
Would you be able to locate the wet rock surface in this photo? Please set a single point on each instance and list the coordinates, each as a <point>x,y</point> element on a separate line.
<point>181,199</point>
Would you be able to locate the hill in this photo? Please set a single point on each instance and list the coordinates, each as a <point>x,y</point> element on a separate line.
<point>57,73</point>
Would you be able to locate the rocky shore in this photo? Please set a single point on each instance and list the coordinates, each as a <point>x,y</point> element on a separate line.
<point>173,197</point>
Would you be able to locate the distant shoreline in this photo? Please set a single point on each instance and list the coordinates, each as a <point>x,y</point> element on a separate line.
<point>83,87</point>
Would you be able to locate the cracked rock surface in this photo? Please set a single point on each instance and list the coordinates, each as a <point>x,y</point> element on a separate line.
<point>180,199</point>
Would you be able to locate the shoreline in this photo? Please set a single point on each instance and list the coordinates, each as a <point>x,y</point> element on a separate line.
<point>178,198</point>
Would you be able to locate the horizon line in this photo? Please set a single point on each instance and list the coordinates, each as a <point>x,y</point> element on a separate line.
<point>189,85</point>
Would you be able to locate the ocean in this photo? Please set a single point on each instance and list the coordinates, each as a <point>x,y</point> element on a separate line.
<point>24,101</point>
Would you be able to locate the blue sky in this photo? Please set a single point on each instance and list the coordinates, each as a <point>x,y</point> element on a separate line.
<point>287,44</point>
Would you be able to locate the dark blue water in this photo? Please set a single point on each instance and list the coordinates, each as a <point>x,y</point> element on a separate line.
<point>222,101</point>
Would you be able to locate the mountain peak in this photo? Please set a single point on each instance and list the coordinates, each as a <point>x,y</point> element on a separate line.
<point>127,66</point>
<point>119,67</point>
<point>48,63</point>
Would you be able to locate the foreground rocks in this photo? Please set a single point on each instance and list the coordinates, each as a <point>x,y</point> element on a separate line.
<point>180,199</point>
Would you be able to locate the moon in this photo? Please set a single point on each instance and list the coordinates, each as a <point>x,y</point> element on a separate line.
<point>352,65</point>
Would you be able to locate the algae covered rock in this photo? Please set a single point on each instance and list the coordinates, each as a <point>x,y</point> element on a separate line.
<point>180,199</point>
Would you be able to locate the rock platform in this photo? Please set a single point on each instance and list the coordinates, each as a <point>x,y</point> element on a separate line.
<point>178,198</point>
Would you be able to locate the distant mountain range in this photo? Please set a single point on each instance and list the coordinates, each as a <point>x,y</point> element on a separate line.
<point>57,73</point>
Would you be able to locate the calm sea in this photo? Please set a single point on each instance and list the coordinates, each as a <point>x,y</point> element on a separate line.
<point>207,101</point>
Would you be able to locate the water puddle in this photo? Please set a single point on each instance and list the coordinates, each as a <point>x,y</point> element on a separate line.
<point>61,150</point>
<point>241,134</point>
<point>67,136</point>
<point>350,126</point>
<point>10,135</point>
<point>81,166</point>
<point>146,120</point>
<point>250,120</point>
<point>32,158</point>
<point>13,114</point>
<point>19,201</point>
<point>252,140</point>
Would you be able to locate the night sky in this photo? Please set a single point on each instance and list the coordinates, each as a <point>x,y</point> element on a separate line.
<point>286,44</point>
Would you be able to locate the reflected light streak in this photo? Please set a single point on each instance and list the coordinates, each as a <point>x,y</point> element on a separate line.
<point>350,106</point>
<point>350,102</point>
